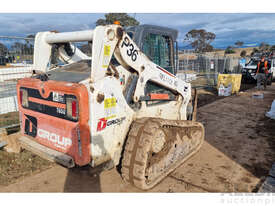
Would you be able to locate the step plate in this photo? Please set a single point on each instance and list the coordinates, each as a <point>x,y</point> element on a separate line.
<point>46,153</point>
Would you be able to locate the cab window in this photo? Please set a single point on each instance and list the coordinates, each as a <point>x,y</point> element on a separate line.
<point>154,88</point>
<point>159,49</point>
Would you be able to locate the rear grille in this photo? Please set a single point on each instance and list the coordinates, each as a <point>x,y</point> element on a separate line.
<point>52,105</point>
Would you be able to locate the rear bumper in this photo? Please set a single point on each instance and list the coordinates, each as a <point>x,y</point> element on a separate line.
<point>46,153</point>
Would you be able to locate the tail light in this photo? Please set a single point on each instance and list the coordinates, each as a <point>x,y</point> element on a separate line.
<point>23,96</point>
<point>72,108</point>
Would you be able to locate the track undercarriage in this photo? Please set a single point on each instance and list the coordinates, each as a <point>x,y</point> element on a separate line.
<point>155,147</point>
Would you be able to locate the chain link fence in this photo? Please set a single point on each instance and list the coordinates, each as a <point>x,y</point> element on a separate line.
<point>202,70</point>
<point>16,55</point>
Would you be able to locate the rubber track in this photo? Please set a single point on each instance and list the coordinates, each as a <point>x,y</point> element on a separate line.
<point>138,144</point>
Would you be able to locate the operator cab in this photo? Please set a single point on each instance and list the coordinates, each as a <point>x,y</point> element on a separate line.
<point>160,46</point>
<point>158,43</point>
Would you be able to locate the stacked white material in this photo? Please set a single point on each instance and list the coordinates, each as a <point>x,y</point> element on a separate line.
<point>20,64</point>
<point>8,98</point>
<point>8,104</point>
<point>225,91</point>
<point>15,73</point>
<point>271,113</point>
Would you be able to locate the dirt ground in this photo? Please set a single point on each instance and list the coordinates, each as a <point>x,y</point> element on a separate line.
<point>15,166</point>
<point>237,154</point>
<point>9,118</point>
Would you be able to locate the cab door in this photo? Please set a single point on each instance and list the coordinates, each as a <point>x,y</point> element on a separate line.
<point>160,49</point>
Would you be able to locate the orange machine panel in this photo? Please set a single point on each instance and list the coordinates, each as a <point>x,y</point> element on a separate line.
<point>45,121</point>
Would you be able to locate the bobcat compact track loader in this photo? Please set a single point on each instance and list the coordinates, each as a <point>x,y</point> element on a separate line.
<point>122,104</point>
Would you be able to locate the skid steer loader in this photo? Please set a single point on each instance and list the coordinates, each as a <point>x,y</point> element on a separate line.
<point>122,104</point>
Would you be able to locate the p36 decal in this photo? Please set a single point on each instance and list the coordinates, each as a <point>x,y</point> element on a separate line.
<point>131,51</point>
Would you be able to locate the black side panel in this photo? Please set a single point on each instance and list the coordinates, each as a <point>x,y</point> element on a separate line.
<point>46,109</point>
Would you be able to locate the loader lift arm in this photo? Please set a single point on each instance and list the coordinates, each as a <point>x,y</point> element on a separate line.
<point>130,56</point>
<point>108,41</point>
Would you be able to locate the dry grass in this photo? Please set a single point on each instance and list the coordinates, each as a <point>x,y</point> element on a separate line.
<point>219,53</point>
<point>237,50</point>
<point>9,118</point>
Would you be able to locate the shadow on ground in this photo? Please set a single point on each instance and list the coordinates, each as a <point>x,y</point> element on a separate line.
<point>82,179</point>
<point>87,179</point>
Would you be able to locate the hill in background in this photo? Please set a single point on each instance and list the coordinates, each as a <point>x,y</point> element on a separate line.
<point>236,54</point>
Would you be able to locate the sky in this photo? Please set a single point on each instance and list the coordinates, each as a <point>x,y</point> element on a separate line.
<point>251,28</point>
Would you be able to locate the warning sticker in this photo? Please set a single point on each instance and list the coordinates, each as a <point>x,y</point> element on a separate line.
<point>107,50</point>
<point>110,107</point>
<point>58,97</point>
<point>109,102</point>
<point>106,57</point>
